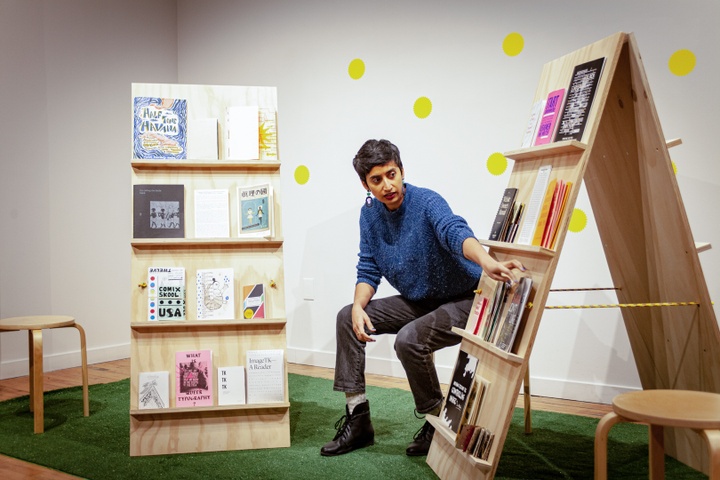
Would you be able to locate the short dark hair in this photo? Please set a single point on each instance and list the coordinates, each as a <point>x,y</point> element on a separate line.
<point>374,153</point>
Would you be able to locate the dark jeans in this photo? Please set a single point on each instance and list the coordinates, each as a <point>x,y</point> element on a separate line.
<point>421,327</point>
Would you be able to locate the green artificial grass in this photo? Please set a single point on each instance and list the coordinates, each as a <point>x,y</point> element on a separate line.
<point>97,447</point>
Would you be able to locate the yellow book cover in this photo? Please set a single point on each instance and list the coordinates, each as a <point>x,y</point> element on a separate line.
<point>544,211</point>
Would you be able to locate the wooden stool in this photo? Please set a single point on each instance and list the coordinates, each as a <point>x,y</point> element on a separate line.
<point>663,408</point>
<point>35,325</point>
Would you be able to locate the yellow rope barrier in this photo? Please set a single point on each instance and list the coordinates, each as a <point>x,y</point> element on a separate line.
<point>591,289</point>
<point>625,305</point>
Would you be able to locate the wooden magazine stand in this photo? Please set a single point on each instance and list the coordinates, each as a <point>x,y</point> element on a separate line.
<point>253,260</point>
<point>652,257</point>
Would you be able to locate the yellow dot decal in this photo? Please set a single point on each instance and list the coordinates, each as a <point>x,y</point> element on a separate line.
<point>302,175</point>
<point>513,44</point>
<point>248,313</point>
<point>497,163</point>
<point>578,221</point>
<point>681,62</point>
<point>422,107</point>
<point>356,69</point>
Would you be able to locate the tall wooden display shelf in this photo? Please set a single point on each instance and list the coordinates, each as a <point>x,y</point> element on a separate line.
<point>253,260</point>
<point>624,161</point>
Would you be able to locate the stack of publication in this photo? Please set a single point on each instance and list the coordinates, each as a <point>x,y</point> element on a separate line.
<point>159,211</point>
<point>215,295</point>
<point>462,406</point>
<point>261,380</point>
<point>491,325</point>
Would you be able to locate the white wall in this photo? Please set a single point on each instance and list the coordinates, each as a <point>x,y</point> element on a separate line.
<point>66,70</point>
<point>74,229</point>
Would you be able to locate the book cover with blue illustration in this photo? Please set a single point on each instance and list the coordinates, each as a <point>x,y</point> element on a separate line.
<point>159,128</point>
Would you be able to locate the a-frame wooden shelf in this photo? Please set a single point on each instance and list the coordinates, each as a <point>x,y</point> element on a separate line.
<point>623,160</point>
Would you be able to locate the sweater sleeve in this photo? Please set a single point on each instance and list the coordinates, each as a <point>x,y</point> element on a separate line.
<point>451,230</point>
<point>367,270</point>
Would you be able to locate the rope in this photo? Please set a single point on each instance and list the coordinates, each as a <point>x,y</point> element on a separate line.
<point>625,305</point>
<point>591,289</point>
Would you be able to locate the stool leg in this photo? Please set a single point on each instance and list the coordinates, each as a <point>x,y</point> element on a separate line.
<point>601,438</point>
<point>712,438</point>
<point>36,384</point>
<point>657,452</point>
<point>83,353</point>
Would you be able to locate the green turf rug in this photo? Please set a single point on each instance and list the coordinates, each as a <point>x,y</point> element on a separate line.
<point>97,447</point>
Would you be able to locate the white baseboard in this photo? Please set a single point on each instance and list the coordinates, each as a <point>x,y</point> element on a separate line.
<point>539,386</point>
<point>19,367</point>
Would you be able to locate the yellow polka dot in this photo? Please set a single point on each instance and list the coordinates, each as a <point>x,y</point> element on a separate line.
<point>356,69</point>
<point>422,107</point>
<point>248,313</point>
<point>578,221</point>
<point>674,165</point>
<point>302,175</point>
<point>682,62</point>
<point>513,44</point>
<point>497,163</point>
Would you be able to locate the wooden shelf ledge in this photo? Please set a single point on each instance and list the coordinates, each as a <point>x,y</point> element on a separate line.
<point>547,150</point>
<point>487,346</point>
<point>140,243</point>
<point>212,410</point>
<point>517,248</point>
<point>204,164</point>
<point>208,324</point>
<point>448,435</point>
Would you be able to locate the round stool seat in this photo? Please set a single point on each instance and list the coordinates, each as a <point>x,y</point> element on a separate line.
<point>34,325</point>
<point>36,322</point>
<point>670,408</point>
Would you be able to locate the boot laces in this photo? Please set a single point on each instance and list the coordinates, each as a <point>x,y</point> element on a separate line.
<point>425,431</point>
<point>342,426</point>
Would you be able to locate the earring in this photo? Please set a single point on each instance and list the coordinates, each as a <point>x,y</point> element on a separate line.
<point>368,200</point>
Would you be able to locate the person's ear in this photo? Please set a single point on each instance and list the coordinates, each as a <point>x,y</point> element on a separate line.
<point>365,185</point>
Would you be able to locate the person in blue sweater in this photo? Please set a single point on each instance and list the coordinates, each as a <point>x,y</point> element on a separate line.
<point>410,236</point>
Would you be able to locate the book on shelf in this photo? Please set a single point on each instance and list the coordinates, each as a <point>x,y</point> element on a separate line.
<point>461,382</point>
<point>532,124</point>
<point>193,378</point>
<point>255,210</point>
<point>153,390</point>
<point>231,385</point>
<point>490,325</point>
<point>212,213</point>
<point>504,214</point>
<point>166,293</point>
<point>513,318</point>
<point>253,301</point>
<point>549,119</point>
<point>243,139</point>
<point>265,377</point>
<point>479,313</point>
<point>215,294</point>
<point>159,128</point>
<point>158,211</point>
<point>555,214</point>
<point>532,210</point>
<point>481,443</point>
<point>580,95</point>
<point>268,134</point>
<point>514,224</point>
<point>549,199</point>
<point>202,139</point>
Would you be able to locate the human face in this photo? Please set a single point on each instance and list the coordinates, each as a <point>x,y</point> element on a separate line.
<point>385,182</point>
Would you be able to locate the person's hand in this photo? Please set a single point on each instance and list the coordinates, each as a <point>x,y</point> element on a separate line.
<point>502,271</point>
<point>361,320</point>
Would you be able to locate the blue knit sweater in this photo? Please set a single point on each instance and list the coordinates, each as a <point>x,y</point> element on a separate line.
<point>417,248</point>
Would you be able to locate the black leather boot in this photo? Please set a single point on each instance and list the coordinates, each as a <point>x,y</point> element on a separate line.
<point>421,441</point>
<point>353,431</point>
